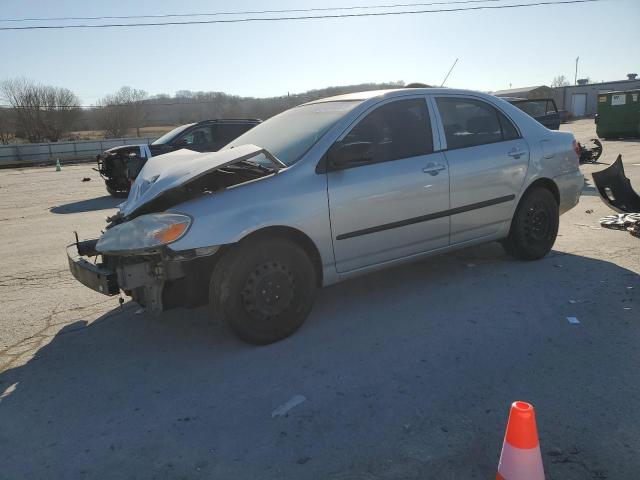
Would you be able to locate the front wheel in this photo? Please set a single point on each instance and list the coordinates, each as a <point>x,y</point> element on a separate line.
<point>263,289</point>
<point>117,189</point>
<point>534,226</point>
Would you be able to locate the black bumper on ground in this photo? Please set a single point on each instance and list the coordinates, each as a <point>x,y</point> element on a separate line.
<point>91,275</point>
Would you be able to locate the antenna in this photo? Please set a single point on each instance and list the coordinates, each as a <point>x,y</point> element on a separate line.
<point>449,73</point>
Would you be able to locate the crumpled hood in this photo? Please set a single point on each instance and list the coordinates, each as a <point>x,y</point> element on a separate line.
<point>172,170</point>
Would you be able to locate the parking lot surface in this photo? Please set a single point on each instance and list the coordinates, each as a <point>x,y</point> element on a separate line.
<point>408,373</point>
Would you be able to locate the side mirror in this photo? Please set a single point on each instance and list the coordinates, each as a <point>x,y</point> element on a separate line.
<point>350,154</point>
<point>182,143</point>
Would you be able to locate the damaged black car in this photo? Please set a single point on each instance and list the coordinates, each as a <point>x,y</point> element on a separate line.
<point>119,166</point>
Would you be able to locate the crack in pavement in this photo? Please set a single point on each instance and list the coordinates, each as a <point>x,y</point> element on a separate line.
<point>28,345</point>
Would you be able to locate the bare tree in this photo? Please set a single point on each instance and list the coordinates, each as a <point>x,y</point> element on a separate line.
<point>41,112</point>
<point>7,126</point>
<point>559,81</point>
<point>123,110</point>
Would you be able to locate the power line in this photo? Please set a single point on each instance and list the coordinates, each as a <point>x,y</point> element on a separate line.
<point>247,12</point>
<point>307,17</point>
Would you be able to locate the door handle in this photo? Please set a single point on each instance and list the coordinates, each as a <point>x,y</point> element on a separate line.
<point>515,153</point>
<point>433,168</point>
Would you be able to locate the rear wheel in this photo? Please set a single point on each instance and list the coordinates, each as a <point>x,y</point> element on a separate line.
<point>263,289</point>
<point>534,226</point>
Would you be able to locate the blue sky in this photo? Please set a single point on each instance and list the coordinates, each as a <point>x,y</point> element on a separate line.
<point>521,47</point>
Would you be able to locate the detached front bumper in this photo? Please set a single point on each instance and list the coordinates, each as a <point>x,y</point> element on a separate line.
<point>96,277</point>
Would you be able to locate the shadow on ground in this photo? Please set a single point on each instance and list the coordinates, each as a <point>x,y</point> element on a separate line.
<point>407,374</point>
<point>91,205</point>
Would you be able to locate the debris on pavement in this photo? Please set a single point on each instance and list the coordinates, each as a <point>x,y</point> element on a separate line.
<point>590,154</point>
<point>86,179</point>
<point>620,221</point>
<point>284,409</point>
<point>573,320</point>
<point>615,188</point>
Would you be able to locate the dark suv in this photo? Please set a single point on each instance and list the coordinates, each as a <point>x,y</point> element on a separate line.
<point>119,166</point>
<point>544,110</point>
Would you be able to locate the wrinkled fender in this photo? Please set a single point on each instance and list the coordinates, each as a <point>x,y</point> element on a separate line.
<point>291,199</point>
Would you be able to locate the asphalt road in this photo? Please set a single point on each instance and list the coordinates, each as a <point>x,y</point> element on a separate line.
<point>408,373</point>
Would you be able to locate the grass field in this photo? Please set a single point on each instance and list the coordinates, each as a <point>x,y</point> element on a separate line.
<point>99,134</point>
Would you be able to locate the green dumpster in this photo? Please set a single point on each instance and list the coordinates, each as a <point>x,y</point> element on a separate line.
<point>618,114</point>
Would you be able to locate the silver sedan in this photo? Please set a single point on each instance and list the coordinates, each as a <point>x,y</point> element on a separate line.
<point>329,190</point>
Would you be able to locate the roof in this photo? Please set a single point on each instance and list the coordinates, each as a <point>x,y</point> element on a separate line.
<point>609,92</point>
<point>516,92</point>
<point>231,120</point>
<point>392,92</point>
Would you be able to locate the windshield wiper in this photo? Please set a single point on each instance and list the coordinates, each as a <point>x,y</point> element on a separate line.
<point>259,166</point>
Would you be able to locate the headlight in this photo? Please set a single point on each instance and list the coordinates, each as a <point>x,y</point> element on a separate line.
<point>144,233</point>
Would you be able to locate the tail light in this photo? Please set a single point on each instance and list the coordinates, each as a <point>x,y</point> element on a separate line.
<point>576,147</point>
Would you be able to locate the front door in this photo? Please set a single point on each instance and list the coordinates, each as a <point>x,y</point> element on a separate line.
<point>488,162</point>
<point>394,205</point>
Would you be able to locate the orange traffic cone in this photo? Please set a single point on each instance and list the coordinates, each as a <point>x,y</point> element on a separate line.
<point>520,458</point>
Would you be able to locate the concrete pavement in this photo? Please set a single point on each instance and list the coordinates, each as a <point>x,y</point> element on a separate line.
<point>407,373</point>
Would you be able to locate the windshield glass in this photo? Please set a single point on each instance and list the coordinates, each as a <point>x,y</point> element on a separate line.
<point>167,137</point>
<point>289,135</point>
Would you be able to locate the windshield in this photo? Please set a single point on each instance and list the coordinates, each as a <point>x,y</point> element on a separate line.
<point>289,135</point>
<point>167,137</point>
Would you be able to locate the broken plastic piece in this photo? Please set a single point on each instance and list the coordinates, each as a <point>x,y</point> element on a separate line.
<point>615,188</point>
<point>573,320</point>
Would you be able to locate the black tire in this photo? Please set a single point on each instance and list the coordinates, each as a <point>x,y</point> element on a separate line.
<point>534,226</point>
<point>117,189</point>
<point>263,289</point>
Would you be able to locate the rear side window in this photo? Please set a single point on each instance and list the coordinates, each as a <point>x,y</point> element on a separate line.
<point>397,130</point>
<point>509,132</point>
<point>469,122</point>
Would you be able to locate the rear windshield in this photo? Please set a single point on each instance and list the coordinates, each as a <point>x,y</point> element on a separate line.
<point>289,135</point>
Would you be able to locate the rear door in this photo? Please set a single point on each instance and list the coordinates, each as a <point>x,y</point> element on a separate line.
<point>488,161</point>
<point>395,205</point>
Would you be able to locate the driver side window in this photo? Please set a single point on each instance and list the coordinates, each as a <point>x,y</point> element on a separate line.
<point>396,130</point>
<point>197,136</point>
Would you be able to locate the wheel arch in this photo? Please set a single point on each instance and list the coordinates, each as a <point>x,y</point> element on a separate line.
<point>547,184</point>
<point>298,237</point>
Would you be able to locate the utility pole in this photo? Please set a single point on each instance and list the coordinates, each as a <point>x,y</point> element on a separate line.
<point>575,79</point>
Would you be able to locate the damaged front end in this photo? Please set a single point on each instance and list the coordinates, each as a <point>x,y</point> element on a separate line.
<point>118,166</point>
<point>134,256</point>
<point>157,280</point>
